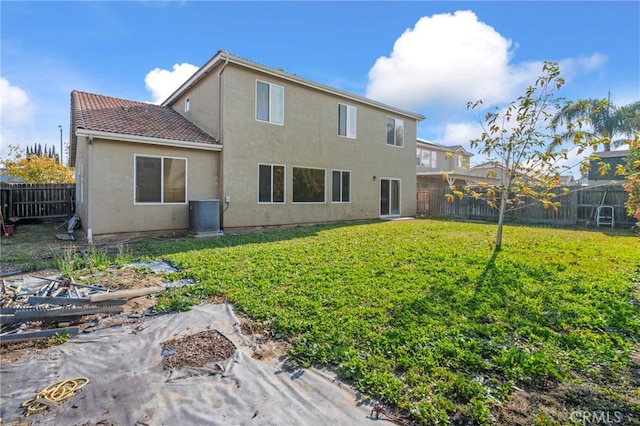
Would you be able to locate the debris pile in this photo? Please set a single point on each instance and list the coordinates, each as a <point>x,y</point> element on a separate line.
<point>45,307</point>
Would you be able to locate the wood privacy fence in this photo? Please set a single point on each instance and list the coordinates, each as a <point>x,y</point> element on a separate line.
<point>579,207</point>
<point>37,201</point>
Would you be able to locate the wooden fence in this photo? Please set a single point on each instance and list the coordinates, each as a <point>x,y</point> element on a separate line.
<point>578,207</point>
<point>37,201</point>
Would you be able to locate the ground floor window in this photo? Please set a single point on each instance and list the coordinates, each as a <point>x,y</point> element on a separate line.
<point>308,185</point>
<point>389,197</point>
<point>340,186</point>
<point>270,183</point>
<point>160,180</point>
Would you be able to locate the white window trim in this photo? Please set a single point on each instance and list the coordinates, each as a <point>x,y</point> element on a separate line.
<point>350,180</point>
<point>187,105</point>
<point>352,119</point>
<point>270,121</point>
<point>325,186</point>
<point>162,203</point>
<point>285,184</point>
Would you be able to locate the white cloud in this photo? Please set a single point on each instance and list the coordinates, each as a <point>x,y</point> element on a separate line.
<point>447,60</point>
<point>162,83</point>
<point>14,104</point>
<point>570,67</point>
<point>461,134</point>
<point>16,116</point>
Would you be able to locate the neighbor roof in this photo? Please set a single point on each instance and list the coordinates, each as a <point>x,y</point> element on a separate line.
<point>613,154</point>
<point>451,148</point>
<point>224,57</point>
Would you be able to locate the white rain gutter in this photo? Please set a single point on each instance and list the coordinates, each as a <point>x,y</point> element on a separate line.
<point>147,140</point>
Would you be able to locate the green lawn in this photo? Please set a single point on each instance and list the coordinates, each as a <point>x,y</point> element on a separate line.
<point>425,316</point>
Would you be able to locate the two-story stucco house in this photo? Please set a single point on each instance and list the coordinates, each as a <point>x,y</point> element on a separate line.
<point>440,165</point>
<point>275,149</point>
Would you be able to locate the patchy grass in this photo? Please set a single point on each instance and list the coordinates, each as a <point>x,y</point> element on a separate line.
<point>425,316</point>
<point>33,246</point>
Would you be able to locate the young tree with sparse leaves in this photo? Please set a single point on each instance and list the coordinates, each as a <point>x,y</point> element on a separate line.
<point>34,168</point>
<point>516,140</point>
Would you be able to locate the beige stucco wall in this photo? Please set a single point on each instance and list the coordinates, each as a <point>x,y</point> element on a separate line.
<point>111,188</point>
<point>203,103</point>
<point>308,138</point>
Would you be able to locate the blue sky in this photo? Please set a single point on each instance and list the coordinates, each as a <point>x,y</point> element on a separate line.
<point>427,57</point>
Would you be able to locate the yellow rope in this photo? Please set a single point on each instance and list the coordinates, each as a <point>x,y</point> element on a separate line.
<point>49,396</point>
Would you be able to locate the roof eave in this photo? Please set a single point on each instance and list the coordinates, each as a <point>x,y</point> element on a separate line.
<point>147,140</point>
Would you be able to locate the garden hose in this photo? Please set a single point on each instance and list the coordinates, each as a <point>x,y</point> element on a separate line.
<point>58,392</point>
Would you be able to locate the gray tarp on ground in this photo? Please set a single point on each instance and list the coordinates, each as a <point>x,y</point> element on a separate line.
<point>129,385</point>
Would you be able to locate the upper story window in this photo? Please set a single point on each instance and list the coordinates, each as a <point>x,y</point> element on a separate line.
<point>427,158</point>
<point>347,121</point>
<point>160,180</point>
<point>395,132</point>
<point>269,103</point>
<point>186,105</point>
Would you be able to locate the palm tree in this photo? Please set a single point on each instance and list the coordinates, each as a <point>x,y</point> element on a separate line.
<point>607,121</point>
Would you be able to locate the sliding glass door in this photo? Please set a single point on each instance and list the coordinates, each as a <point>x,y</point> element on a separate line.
<point>389,197</point>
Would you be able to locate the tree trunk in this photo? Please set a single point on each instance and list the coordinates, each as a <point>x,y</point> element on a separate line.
<point>503,207</point>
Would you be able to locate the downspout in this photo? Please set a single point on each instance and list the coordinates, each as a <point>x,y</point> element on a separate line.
<point>89,190</point>
<point>219,139</point>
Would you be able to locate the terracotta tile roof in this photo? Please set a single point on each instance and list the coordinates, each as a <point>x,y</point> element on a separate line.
<point>114,115</point>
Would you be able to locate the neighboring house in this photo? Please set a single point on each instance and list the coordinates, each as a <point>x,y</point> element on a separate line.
<point>274,149</point>
<point>438,166</point>
<point>612,159</point>
<point>568,180</point>
<point>493,174</point>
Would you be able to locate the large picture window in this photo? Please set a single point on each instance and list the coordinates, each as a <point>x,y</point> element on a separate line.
<point>270,183</point>
<point>308,185</point>
<point>395,132</point>
<point>340,186</point>
<point>160,180</point>
<point>347,121</point>
<point>269,102</point>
